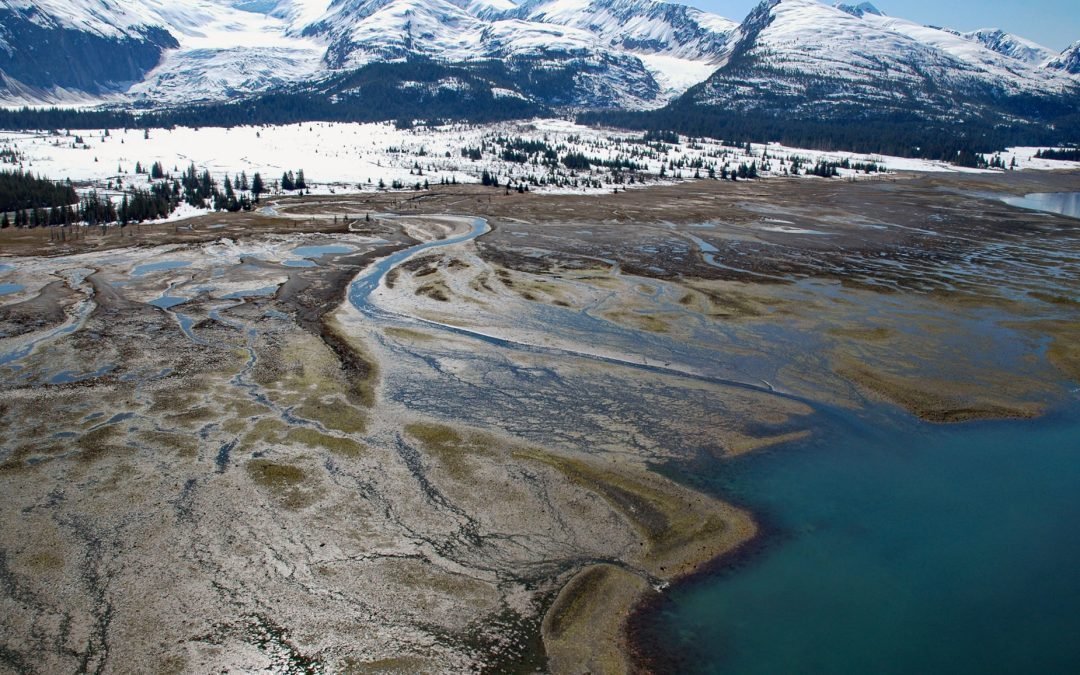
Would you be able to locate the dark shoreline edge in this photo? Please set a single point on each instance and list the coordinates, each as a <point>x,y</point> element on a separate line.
<point>646,651</point>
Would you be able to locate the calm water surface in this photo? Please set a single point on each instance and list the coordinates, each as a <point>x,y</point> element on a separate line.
<point>163,266</point>
<point>1065,203</point>
<point>895,547</point>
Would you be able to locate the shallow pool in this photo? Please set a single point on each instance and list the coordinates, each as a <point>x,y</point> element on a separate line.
<point>161,266</point>
<point>1063,203</point>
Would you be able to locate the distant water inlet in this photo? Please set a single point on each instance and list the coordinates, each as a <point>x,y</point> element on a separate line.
<point>1063,203</point>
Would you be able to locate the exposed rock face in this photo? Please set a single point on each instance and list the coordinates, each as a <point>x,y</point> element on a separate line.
<point>40,52</point>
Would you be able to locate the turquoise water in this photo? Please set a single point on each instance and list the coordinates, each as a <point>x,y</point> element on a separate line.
<point>893,547</point>
<point>168,301</point>
<point>319,251</point>
<point>163,266</point>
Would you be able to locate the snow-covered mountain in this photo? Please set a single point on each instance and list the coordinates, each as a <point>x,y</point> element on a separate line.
<point>638,52</point>
<point>1011,45</point>
<point>78,46</point>
<point>631,53</point>
<point>158,50</point>
<point>806,58</point>
<point>787,55</point>
<point>1068,61</point>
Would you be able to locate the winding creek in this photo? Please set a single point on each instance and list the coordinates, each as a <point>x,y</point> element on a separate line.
<point>597,331</point>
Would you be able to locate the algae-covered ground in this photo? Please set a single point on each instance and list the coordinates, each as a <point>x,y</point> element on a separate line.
<point>212,459</point>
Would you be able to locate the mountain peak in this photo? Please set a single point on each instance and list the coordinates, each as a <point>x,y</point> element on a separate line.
<point>860,10</point>
<point>1068,60</point>
<point>1008,44</point>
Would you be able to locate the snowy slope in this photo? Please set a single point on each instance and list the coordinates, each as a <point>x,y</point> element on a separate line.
<point>104,18</point>
<point>603,71</point>
<point>204,49</point>
<point>1068,61</point>
<point>994,39</point>
<point>1011,45</point>
<point>224,52</point>
<point>678,45</point>
<point>361,31</point>
<point>1015,75</point>
<point>805,55</point>
<point>51,48</point>
<point>639,26</point>
<point>633,53</point>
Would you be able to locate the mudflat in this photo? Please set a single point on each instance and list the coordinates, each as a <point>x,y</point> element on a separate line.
<point>217,457</point>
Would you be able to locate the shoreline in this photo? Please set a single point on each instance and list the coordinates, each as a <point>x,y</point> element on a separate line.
<point>655,639</point>
<point>684,533</point>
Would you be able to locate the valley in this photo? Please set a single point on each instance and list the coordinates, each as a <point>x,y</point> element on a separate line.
<point>450,429</point>
<point>506,336</point>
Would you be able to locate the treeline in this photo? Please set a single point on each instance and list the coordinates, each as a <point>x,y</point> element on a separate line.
<point>32,205</point>
<point>135,206</point>
<point>373,93</point>
<point>899,134</point>
<point>1060,154</point>
<point>20,191</point>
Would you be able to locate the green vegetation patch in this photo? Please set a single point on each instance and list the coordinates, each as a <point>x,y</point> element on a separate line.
<point>864,333</point>
<point>668,516</point>
<point>266,430</point>
<point>338,415</point>
<point>576,598</point>
<point>452,449</point>
<point>312,438</point>
<point>436,291</point>
<point>98,444</point>
<point>361,370</point>
<point>193,416</point>
<point>45,561</point>
<point>184,445</point>
<point>409,334</point>
<point>284,481</point>
<point>398,665</point>
<point>273,475</point>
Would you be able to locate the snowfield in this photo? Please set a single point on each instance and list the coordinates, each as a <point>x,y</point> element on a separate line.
<point>356,157</point>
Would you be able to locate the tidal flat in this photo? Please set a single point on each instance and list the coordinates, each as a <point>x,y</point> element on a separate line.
<point>464,430</point>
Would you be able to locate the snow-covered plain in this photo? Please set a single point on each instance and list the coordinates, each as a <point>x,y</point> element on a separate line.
<point>356,157</point>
